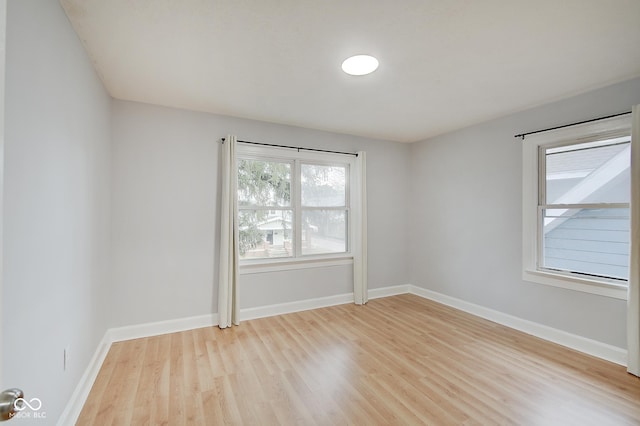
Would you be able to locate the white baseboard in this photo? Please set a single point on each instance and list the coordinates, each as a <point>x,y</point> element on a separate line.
<point>320,302</point>
<point>80,394</point>
<point>298,306</point>
<point>72,411</point>
<point>182,324</point>
<point>376,293</point>
<point>582,344</point>
<point>161,327</point>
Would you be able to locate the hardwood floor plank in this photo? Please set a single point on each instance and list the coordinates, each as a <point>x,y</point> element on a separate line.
<point>127,381</point>
<point>146,385</point>
<point>397,360</point>
<point>92,406</point>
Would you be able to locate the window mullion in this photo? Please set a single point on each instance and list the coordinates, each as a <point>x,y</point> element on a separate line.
<point>539,237</point>
<point>317,208</point>
<point>264,208</point>
<point>586,206</point>
<point>297,208</point>
<point>542,200</point>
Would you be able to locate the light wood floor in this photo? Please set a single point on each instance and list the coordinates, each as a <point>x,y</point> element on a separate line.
<point>398,360</point>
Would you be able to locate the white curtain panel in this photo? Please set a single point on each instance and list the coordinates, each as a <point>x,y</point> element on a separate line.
<point>360,286</point>
<point>228,306</point>
<point>633,302</point>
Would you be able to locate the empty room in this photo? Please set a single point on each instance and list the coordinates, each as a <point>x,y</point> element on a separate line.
<point>295,213</point>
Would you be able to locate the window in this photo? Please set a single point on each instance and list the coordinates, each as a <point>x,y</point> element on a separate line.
<point>323,209</point>
<point>292,206</point>
<point>576,183</point>
<point>265,210</point>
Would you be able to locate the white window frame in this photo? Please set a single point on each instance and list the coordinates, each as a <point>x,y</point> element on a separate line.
<point>300,261</point>
<point>531,175</point>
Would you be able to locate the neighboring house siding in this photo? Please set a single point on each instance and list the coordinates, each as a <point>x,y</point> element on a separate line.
<point>592,242</point>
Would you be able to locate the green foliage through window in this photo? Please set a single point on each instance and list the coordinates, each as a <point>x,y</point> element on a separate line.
<point>267,207</point>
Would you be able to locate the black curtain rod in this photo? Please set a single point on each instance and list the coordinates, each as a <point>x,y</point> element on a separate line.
<point>299,148</point>
<point>572,124</point>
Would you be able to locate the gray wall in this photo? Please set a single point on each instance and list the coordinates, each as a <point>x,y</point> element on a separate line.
<point>165,214</point>
<point>110,214</point>
<point>466,219</point>
<point>57,203</point>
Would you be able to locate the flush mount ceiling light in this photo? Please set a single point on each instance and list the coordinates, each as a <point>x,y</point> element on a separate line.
<point>360,65</point>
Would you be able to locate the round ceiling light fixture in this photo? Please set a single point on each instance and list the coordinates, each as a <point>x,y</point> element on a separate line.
<point>360,65</point>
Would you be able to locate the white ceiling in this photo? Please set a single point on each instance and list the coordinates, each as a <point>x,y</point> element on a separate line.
<point>444,64</point>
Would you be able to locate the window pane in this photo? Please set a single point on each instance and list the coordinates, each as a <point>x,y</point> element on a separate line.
<point>593,172</point>
<point>265,233</point>
<point>264,183</point>
<point>324,231</point>
<point>323,186</point>
<point>589,241</point>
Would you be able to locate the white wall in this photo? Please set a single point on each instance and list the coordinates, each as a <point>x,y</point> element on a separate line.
<point>57,205</point>
<point>466,220</point>
<point>165,214</point>
<point>3,33</point>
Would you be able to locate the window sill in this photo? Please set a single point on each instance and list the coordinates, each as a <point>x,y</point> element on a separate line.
<point>602,288</point>
<point>278,265</point>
